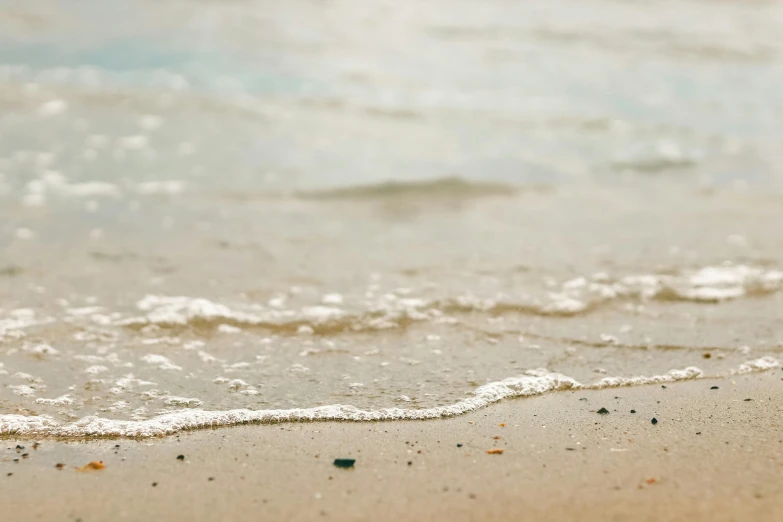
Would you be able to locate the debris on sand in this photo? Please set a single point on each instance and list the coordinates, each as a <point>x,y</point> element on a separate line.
<point>633,411</point>
<point>94,465</point>
<point>180,457</point>
<point>59,465</point>
<point>459,445</point>
<point>603,411</point>
<point>654,421</point>
<point>714,388</point>
<point>344,463</point>
<point>495,451</point>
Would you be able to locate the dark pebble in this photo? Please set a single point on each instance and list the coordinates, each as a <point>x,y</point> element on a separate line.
<point>410,463</point>
<point>459,445</point>
<point>714,388</point>
<point>180,457</point>
<point>746,400</point>
<point>633,411</point>
<point>10,474</point>
<point>59,465</point>
<point>570,449</point>
<point>344,463</point>
<point>654,420</point>
<point>25,455</point>
<point>662,386</point>
<point>154,484</point>
<point>211,478</point>
<point>603,411</point>
<point>19,447</point>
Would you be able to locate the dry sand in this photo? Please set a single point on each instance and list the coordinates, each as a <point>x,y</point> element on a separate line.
<point>714,455</point>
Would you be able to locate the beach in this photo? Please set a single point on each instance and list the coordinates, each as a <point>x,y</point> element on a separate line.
<point>715,454</point>
<point>391,260</point>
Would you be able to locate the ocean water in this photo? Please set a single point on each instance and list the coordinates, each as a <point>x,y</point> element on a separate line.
<point>219,212</point>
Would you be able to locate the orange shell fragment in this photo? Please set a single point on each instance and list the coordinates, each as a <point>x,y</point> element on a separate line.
<point>495,451</point>
<point>92,465</point>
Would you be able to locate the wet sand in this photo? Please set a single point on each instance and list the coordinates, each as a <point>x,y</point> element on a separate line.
<point>713,455</point>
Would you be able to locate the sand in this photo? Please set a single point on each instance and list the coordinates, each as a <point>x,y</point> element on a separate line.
<point>713,455</point>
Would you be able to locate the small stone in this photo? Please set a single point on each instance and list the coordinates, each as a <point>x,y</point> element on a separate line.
<point>459,445</point>
<point>154,484</point>
<point>654,421</point>
<point>59,465</point>
<point>180,457</point>
<point>633,411</point>
<point>344,463</point>
<point>603,411</point>
<point>714,388</point>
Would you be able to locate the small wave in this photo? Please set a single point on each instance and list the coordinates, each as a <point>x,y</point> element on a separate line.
<point>535,382</point>
<point>446,187</point>
<point>575,297</point>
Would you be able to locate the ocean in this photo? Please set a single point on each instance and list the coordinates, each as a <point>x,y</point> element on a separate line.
<point>220,212</point>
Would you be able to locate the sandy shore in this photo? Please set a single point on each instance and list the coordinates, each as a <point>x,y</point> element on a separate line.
<point>713,455</point>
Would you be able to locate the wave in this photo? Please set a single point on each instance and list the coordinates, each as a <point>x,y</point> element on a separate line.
<point>575,297</point>
<point>445,187</point>
<point>535,382</point>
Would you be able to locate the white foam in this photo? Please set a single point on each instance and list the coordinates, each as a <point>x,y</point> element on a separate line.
<point>536,382</point>
<point>63,400</point>
<point>183,401</point>
<point>54,182</point>
<point>40,350</point>
<point>22,390</point>
<point>757,365</point>
<point>52,107</point>
<point>673,375</point>
<point>160,361</point>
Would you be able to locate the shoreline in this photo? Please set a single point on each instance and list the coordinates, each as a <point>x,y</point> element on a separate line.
<point>713,455</point>
<point>532,383</point>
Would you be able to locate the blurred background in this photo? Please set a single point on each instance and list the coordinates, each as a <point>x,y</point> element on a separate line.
<point>308,94</point>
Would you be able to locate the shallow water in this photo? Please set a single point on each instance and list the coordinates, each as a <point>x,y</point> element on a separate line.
<point>222,212</point>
